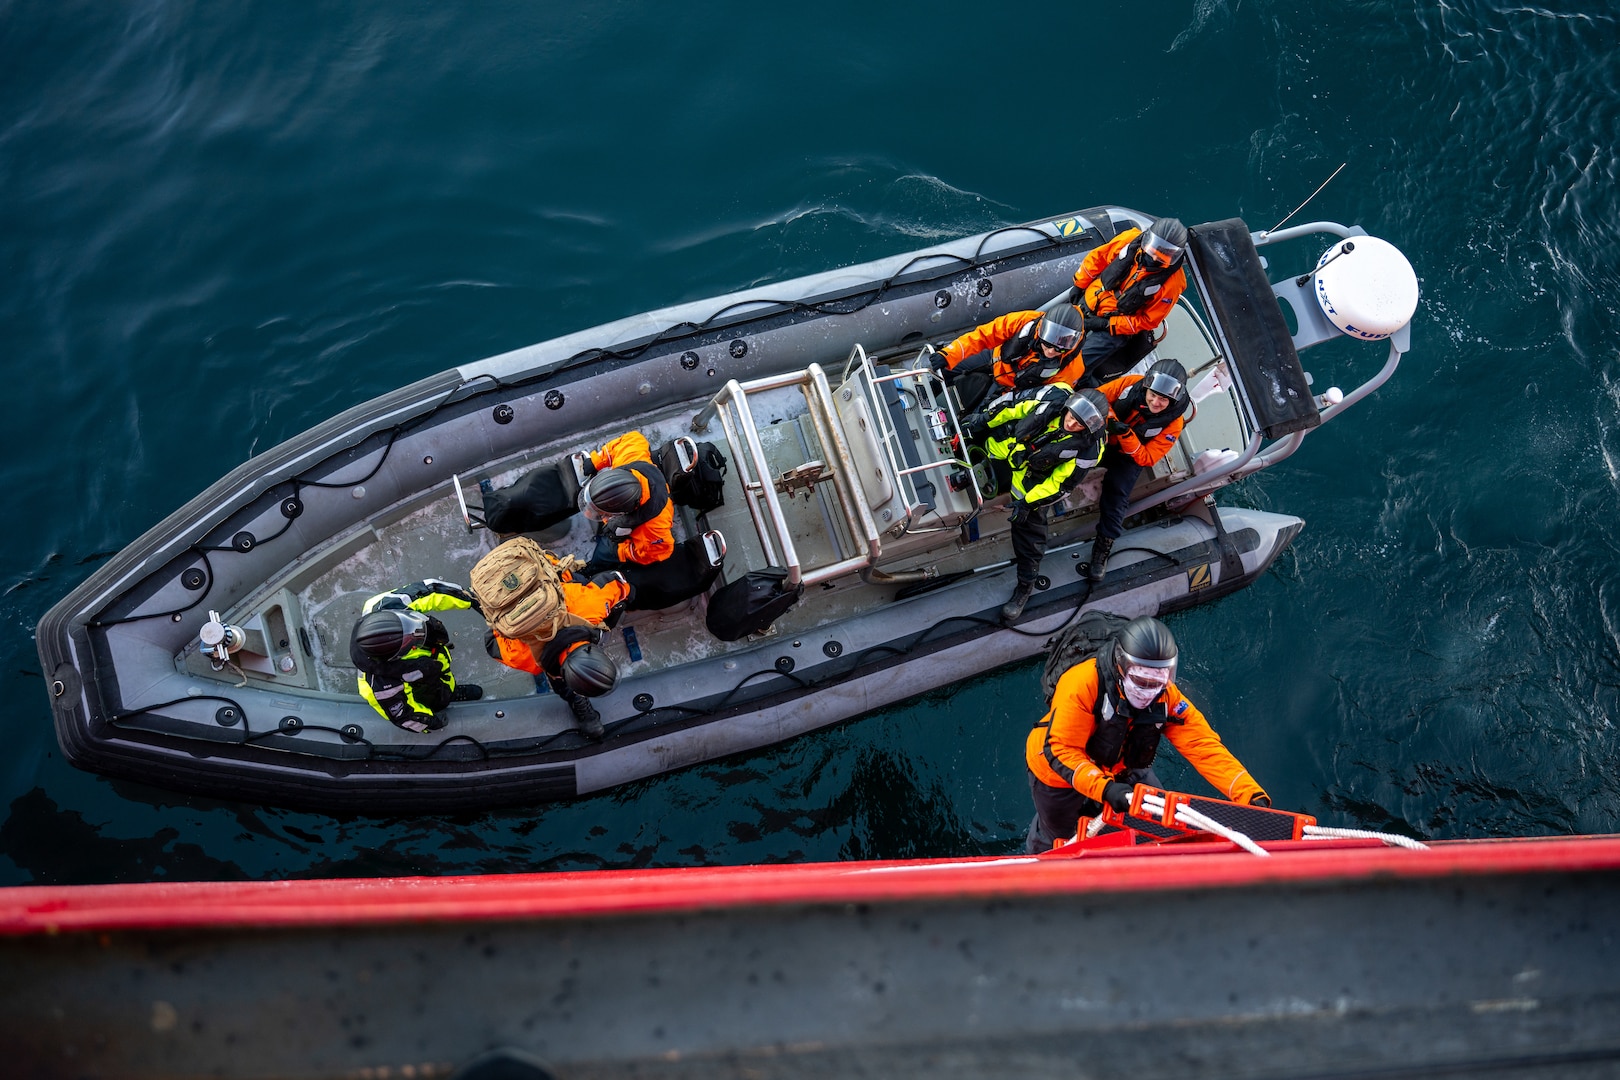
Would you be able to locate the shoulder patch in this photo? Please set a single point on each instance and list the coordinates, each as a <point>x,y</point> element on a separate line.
<point>1181,707</point>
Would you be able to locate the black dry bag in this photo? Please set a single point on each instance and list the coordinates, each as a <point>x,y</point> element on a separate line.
<point>751,603</point>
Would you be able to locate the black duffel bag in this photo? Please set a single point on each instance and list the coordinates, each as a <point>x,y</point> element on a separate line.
<point>541,498</point>
<point>751,603</point>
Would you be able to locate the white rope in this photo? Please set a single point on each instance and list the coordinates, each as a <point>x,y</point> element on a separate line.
<point>1319,832</point>
<point>1189,816</point>
<point>1186,815</point>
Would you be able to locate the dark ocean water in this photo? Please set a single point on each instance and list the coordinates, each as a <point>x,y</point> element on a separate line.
<point>221,224</point>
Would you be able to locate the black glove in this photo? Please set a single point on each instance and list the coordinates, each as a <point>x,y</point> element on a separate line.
<point>1116,427</point>
<point>1097,322</point>
<point>1118,795</point>
<point>975,426</point>
<point>1261,800</point>
<point>938,361</point>
<point>1076,296</point>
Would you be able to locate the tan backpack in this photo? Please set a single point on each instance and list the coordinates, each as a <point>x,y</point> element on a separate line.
<point>519,586</point>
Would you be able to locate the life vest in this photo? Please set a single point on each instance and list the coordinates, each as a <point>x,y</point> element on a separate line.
<point>1131,410</point>
<point>423,672</point>
<point>657,498</point>
<point>1029,366</point>
<point>1124,734</point>
<point>1141,291</point>
<point>1046,452</point>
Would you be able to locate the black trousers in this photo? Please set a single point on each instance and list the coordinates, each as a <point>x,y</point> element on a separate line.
<point>1108,356</point>
<point>1029,533</point>
<point>1058,810</point>
<point>1119,479</point>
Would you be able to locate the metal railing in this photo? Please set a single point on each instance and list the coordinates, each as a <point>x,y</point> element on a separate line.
<point>730,407</point>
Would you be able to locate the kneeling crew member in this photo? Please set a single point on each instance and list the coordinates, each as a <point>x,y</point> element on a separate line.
<point>627,497</point>
<point>1148,418</point>
<point>1125,289</point>
<point>1021,350</point>
<point>1100,736</point>
<point>1048,438</point>
<point>403,654</point>
<point>573,662</point>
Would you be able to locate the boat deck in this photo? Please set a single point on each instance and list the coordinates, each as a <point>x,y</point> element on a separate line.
<point>323,595</point>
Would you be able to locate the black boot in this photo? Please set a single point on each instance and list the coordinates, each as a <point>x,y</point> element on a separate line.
<point>587,718</point>
<point>466,692</point>
<point>1100,547</point>
<point>1014,607</point>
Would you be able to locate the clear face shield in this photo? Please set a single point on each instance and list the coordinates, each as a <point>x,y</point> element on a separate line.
<point>414,626</point>
<point>1164,384</point>
<point>1160,250</point>
<point>1085,415</point>
<point>1143,684</point>
<point>1060,337</point>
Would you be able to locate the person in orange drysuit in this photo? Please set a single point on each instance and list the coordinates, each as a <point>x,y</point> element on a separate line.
<point>1147,418</point>
<point>1021,350</point>
<point>626,495</point>
<point>1100,736</point>
<point>574,665</point>
<point>1125,289</point>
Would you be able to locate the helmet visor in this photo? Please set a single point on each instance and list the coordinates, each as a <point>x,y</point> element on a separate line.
<point>1087,414</point>
<point>413,626</point>
<point>1160,250</point>
<point>587,504</point>
<point>1053,333</point>
<point>1147,679</point>
<point>1164,384</point>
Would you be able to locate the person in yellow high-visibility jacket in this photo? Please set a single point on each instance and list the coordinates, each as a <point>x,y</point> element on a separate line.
<point>1046,439</point>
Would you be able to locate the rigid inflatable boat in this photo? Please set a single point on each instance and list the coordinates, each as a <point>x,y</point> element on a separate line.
<point>211,655</point>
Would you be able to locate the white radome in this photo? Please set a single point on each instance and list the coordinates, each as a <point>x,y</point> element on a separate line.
<point>1370,291</point>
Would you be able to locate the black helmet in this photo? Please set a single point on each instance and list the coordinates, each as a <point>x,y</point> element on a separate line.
<point>1145,642</point>
<point>1061,326</point>
<point>1164,240</point>
<point>589,670</point>
<point>1090,408</point>
<point>389,634</point>
<point>1167,378</point>
<point>610,493</point>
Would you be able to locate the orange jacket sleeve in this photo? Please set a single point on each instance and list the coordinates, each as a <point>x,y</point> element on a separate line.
<point>592,601</point>
<point>1056,748</point>
<point>631,446</point>
<point>1097,258</point>
<point>1204,751</point>
<point>1156,310</point>
<point>1151,452</point>
<point>988,336</point>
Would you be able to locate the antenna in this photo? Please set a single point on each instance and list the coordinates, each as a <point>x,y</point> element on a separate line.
<point>1312,195</point>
